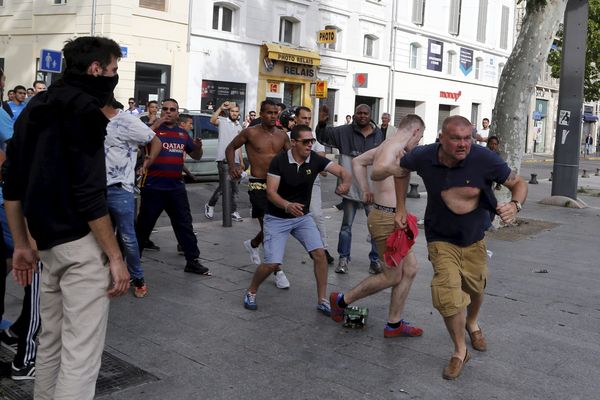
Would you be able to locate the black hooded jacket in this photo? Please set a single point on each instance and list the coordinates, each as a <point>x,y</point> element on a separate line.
<point>55,161</point>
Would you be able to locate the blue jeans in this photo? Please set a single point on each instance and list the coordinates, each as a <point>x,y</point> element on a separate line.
<point>121,206</point>
<point>345,238</point>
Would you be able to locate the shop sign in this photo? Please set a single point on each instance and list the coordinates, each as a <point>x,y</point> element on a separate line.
<point>466,61</point>
<point>450,95</point>
<point>361,80</point>
<point>273,87</point>
<point>321,89</point>
<point>296,70</point>
<point>327,36</point>
<point>435,55</point>
<point>294,58</point>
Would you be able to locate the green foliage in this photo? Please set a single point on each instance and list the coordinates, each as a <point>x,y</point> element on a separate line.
<point>591,89</point>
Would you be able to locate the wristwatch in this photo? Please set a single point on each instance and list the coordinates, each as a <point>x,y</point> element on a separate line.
<point>519,206</point>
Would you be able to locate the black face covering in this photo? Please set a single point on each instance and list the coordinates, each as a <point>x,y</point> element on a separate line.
<point>100,87</point>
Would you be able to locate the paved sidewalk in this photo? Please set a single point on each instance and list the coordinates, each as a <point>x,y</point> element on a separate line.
<point>193,333</point>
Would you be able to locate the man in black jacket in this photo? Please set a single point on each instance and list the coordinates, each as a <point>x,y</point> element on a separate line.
<point>55,187</point>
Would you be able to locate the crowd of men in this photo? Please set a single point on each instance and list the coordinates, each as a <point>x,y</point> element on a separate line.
<point>66,195</point>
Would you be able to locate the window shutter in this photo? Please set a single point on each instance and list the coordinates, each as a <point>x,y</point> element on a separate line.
<point>482,20</point>
<point>154,4</point>
<point>504,28</point>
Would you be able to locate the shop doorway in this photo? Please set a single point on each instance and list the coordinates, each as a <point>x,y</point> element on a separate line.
<point>292,94</point>
<point>444,111</point>
<point>402,109</point>
<point>372,102</point>
<point>152,82</point>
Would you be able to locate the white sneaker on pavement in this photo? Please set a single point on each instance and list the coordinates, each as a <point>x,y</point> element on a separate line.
<point>254,255</point>
<point>209,212</point>
<point>281,281</point>
<point>236,217</point>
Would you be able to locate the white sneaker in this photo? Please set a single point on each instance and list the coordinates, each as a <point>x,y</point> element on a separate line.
<point>254,256</point>
<point>236,217</point>
<point>281,281</point>
<point>209,211</point>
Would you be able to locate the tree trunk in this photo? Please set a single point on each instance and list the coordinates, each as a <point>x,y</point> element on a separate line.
<point>519,77</point>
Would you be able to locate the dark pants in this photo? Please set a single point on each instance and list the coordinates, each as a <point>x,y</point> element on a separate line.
<point>175,204</point>
<point>27,325</point>
<point>234,184</point>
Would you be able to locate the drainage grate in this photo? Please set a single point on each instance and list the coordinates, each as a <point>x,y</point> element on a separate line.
<point>115,375</point>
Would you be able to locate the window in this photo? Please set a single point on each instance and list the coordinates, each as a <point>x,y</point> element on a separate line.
<point>504,28</point>
<point>482,20</point>
<point>370,46</point>
<point>158,5</point>
<point>418,12</point>
<point>415,55</point>
<point>222,18</point>
<point>500,69</point>
<point>478,65</point>
<point>454,22</point>
<point>450,61</point>
<point>55,2</point>
<point>286,30</point>
<point>337,46</point>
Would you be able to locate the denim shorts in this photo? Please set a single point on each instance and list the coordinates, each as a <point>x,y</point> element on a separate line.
<point>277,231</point>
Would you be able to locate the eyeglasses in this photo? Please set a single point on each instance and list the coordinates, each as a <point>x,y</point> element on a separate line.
<point>172,109</point>
<point>306,141</point>
<point>132,102</point>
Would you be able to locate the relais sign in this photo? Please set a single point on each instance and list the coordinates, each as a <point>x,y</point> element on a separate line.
<point>326,36</point>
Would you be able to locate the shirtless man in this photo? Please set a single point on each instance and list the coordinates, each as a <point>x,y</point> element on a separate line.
<point>458,177</point>
<point>263,142</point>
<point>381,194</point>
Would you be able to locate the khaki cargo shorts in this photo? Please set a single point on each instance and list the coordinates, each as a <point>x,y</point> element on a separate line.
<point>457,273</point>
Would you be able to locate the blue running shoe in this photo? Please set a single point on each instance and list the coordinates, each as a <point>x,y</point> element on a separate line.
<point>250,301</point>
<point>324,307</point>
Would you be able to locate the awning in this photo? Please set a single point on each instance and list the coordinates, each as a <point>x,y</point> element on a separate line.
<point>278,52</point>
<point>590,117</point>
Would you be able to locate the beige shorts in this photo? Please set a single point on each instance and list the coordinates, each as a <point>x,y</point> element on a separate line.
<point>458,272</point>
<point>381,225</point>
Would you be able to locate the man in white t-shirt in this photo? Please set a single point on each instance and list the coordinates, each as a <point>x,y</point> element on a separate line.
<point>484,132</point>
<point>124,134</point>
<point>229,127</point>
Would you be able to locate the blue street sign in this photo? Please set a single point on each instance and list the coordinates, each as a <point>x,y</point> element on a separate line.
<point>51,61</point>
<point>124,51</point>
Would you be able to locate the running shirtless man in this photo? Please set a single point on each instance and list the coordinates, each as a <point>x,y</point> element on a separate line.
<point>263,142</point>
<point>382,195</point>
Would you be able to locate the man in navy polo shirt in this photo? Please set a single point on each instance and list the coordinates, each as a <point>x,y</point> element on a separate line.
<point>164,190</point>
<point>458,177</point>
<point>289,188</point>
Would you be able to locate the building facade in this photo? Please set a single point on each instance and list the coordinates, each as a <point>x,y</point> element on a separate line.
<point>434,58</point>
<point>153,35</point>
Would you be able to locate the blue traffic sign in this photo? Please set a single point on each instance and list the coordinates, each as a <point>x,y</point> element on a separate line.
<point>124,51</point>
<point>51,61</point>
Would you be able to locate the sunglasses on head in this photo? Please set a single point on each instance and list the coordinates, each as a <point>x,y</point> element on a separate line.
<point>172,109</point>
<point>306,141</point>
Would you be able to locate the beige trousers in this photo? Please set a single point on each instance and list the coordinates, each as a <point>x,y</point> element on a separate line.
<point>74,313</point>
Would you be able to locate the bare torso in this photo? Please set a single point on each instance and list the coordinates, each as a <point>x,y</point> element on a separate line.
<point>461,200</point>
<point>262,146</point>
<point>384,192</point>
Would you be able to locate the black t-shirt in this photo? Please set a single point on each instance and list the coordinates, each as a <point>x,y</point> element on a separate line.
<point>296,181</point>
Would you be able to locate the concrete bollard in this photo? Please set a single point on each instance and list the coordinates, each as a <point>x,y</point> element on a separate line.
<point>533,180</point>
<point>597,172</point>
<point>585,174</point>
<point>414,192</point>
<point>550,179</point>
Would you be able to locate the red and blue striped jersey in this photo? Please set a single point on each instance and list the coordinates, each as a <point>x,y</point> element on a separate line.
<point>165,171</point>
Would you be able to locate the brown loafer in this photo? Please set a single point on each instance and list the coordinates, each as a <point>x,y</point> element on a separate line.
<point>478,340</point>
<point>455,367</point>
